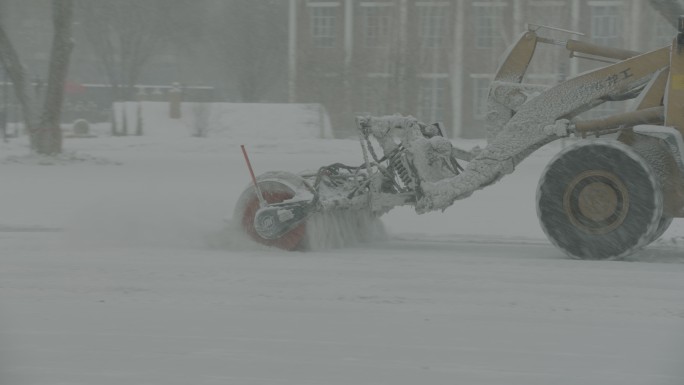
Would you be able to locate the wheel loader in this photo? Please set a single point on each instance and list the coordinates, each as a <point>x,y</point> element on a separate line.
<point>614,190</point>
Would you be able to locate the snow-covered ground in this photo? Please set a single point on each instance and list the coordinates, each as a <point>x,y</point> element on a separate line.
<point>117,267</point>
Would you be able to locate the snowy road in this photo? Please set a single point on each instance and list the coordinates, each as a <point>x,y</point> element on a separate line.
<point>400,312</point>
<point>118,278</point>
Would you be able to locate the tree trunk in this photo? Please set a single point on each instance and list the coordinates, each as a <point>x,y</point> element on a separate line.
<point>47,138</point>
<point>12,65</point>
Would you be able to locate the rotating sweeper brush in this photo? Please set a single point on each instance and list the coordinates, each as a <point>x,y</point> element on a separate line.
<point>339,203</point>
<point>597,199</point>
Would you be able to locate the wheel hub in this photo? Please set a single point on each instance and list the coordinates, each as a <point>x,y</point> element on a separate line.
<point>596,201</point>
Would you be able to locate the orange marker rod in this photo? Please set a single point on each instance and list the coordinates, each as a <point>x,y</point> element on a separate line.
<point>262,201</point>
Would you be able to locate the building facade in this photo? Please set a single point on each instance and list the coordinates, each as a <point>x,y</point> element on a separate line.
<point>434,59</point>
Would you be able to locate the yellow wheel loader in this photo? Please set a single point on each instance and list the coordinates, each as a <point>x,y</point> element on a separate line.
<point>605,196</point>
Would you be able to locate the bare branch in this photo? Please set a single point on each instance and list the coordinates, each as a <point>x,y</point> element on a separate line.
<point>12,65</point>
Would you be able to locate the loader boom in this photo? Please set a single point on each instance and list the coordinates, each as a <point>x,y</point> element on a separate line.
<point>596,199</point>
<point>520,123</point>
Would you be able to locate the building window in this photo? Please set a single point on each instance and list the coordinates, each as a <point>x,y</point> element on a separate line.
<point>432,24</point>
<point>377,23</point>
<point>488,21</point>
<point>549,62</point>
<point>323,31</point>
<point>432,98</point>
<point>552,13</point>
<point>606,25</point>
<point>480,95</point>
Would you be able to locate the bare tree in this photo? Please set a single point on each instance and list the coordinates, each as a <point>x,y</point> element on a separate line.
<point>45,132</point>
<point>125,34</point>
<point>47,138</point>
<point>13,67</point>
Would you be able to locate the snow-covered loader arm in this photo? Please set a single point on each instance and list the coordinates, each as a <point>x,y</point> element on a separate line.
<point>519,123</point>
<point>596,199</point>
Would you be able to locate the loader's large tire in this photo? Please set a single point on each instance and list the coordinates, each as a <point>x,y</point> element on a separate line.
<point>659,157</point>
<point>663,224</point>
<point>599,200</point>
<point>275,187</point>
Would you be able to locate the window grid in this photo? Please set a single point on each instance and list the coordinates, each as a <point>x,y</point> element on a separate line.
<point>323,26</point>
<point>431,26</point>
<point>606,24</point>
<point>377,26</point>
<point>549,65</point>
<point>488,24</point>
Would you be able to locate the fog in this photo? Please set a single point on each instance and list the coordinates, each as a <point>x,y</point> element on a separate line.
<point>432,62</point>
